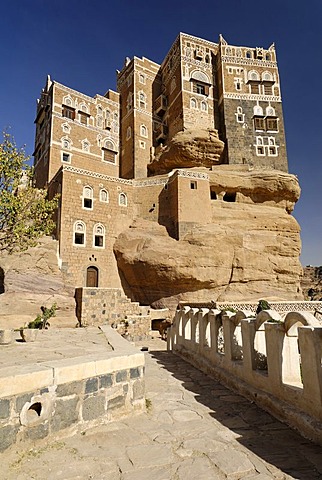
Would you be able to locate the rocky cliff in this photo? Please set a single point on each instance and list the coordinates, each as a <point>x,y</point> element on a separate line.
<point>249,251</point>
<point>191,148</point>
<point>31,279</point>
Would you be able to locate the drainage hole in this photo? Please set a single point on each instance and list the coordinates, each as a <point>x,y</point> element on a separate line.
<point>34,411</point>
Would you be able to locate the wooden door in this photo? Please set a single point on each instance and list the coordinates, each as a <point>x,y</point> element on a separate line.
<point>92,277</point>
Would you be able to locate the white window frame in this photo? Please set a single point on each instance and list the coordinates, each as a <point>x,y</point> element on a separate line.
<point>88,197</point>
<point>96,234</point>
<point>144,131</point>
<point>102,191</point>
<point>80,222</point>
<point>69,157</point>
<point>121,203</point>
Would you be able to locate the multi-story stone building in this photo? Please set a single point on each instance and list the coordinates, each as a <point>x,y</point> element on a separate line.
<point>95,151</point>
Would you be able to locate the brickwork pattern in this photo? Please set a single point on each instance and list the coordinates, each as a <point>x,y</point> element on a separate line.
<point>85,403</point>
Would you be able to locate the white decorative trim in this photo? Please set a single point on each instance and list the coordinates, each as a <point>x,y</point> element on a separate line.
<point>191,174</point>
<point>88,173</point>
<point>255,97</point>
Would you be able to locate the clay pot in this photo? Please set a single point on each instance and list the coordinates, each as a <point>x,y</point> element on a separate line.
<point>28,334</point>
<point>6,337</point>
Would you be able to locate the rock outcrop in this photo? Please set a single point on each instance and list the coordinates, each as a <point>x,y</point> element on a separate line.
<point>188,149</point>
<point>31,279</point>
<point>249,252</point>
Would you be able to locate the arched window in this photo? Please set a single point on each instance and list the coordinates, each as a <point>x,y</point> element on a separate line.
<point>267,77</point>
<point>268,57</point>
<point>68,101</point>
<point>142,100</point>
<point>129,102</point>
<point>143,131</point>
<point>141,78</point>
<point>85,145</point>
<point>122,200</point>
<point>270,111</point>
<point>193,103</point>
<point>66,144</point>
<point>204,106</point>
<point>107,114</point>
<point>248,54</point>
<point>258,110</point>
<point>128,133</point>
<point>259,140</point>
<point>240,116</point>
<point>109,152</point>
<point>99,235</point>
<point>79,232</point>
<point>99,121</point>
<point>99,110</point>
<point>253,75</point>
<point>104,195</point>
<point>83,108</point>
<point>88,197</point>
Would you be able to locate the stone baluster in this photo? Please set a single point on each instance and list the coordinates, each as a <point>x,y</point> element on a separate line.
<point>274,335</point>
<point>310,341</point>
<point>248,331</point>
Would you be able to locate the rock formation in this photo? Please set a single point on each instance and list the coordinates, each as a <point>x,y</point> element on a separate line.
<point>249,251</point>
<point>191,148</point>
<point>31,279</point>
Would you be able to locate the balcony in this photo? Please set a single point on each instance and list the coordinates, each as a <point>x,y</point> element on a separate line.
<point>161,133</point>
<point>160,105</point>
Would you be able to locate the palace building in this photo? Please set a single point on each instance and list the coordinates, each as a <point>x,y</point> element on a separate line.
<point>97,152</point>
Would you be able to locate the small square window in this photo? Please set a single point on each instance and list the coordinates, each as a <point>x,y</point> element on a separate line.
<point>66,157</point>
<point>79,238</point>
<point>260,150</point>
<point>88,202</point>
<point>68,112</point>
<point>99,241</point>
<point>193,185</point>
<point>83,118</point>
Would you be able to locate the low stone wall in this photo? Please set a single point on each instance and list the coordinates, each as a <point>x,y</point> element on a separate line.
<point>96,306</point>
<point>59,397</point>
<point>274,361</point>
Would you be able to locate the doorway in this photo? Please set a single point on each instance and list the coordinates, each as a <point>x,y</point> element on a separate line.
<point>92,277</point>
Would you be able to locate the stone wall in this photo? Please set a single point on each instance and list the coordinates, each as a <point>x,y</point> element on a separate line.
<point>58,398</point>
<point>271,359</point>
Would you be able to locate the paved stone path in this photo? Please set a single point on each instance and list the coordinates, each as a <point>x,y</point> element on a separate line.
<point>194,428</point>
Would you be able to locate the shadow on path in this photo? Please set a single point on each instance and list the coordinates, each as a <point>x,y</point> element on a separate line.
<point>255,429</point>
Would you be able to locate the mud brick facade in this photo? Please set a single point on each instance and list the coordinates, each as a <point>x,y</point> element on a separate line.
<point>95,151</point>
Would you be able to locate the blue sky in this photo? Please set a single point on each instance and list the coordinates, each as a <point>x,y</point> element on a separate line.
<point>81,43</point>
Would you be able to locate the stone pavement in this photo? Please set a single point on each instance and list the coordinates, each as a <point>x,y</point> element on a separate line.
<point>194,428</point>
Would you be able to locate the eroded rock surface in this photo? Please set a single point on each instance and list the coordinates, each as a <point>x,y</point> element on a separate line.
<point>249,252</point>
<point>188,149</point>
<point>30,279</point>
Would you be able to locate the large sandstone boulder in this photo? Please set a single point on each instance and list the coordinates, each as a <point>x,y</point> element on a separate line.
<point>31,279</point>
<point>249,252</point>
<point>188,149</point>
<point>271,187</point>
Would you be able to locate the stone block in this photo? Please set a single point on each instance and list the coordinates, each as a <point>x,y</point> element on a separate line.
<point>91,385</point>
<point>93,407</point>
<point>116,402</point>
<point>105,381</point>
<point>4,408</point>
<point>66,389</point>
<point>138,389</point>
<point>37,432</point>
<point>121,376</point>
<point>8,436</point>
<point>65,414</point>
<point>134,372</point>
<point>22,400</point>
<point>27,378</point>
